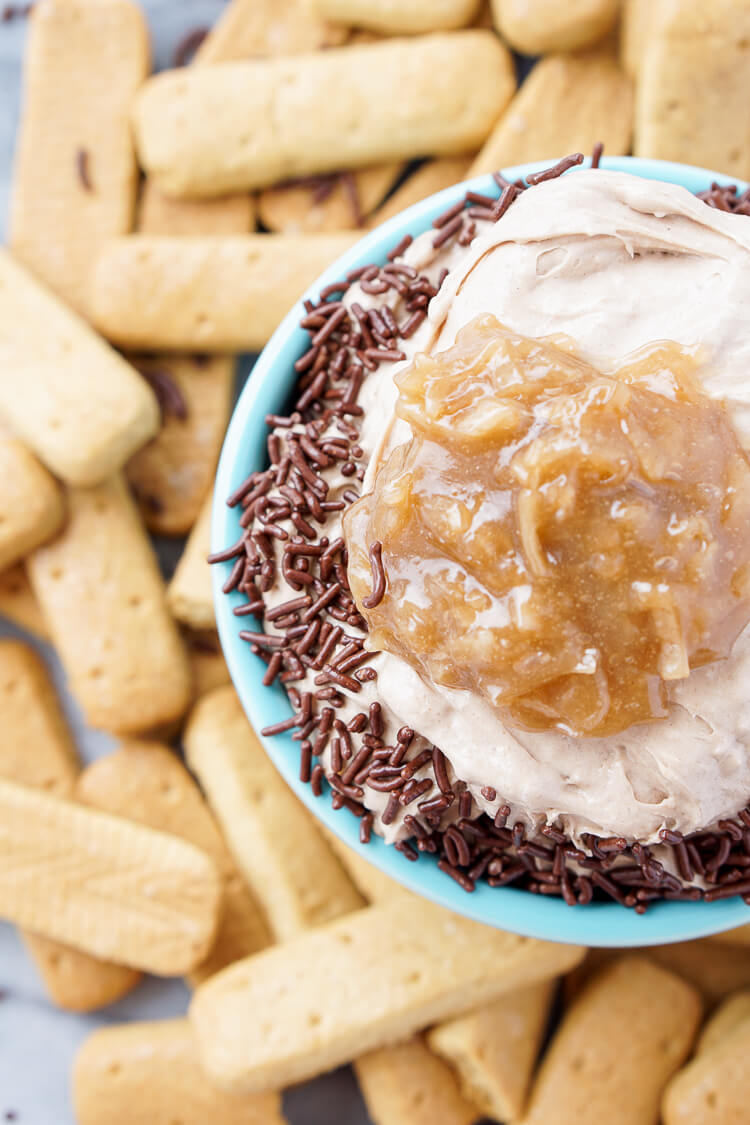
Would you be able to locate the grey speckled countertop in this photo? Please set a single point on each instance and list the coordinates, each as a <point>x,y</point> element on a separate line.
<point>38,1043</point>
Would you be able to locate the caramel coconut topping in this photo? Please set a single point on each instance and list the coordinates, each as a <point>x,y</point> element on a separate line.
<point>562,541</point>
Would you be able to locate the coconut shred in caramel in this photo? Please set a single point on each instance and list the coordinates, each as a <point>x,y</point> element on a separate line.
<point>561,541</point>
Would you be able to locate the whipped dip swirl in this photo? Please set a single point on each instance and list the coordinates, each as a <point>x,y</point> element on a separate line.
<point>613,262</point>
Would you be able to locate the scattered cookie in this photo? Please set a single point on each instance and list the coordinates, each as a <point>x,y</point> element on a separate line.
<point>205,294</point>
<point>106,886</point>
<point>425,965</point>
<point>713,1089</point>
<point>568,103</point>
<point>37,750</point>
<point>150,1073</point>
<point>618,1045</point>
<point>536,27</point>
<point>495,1048</point>
<point>714,970</point>
<point>147,783</point>
<point>251,28</point>
<point>171,476</point>
<point>84,63</point>
<point>432,176</point>
<point>194,218</point>
<point>731,1014</point>
<point>189,594</point>
<point>18,604</point>
<point>83,410</point>
<point>340,201</point>
<point>31,502</point>
<point>102,594</point>
<point>408,1085</point>
<point>207,664</point>
<point>251,800</point>
<point>212,130</point>
<point>692,89</point>
<point>400,17</point>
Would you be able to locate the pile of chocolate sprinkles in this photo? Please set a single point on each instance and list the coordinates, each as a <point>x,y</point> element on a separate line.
<point>318,630</point>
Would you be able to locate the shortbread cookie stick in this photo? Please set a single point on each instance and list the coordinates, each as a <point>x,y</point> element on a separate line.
<point>104,885</point>
<point>31,502</point>
<point>100,589</point>
<point>636,23</point>
<point>191,218</point>
<point>249,124</point>
<point>568,103</point>
<point>617,1047</point>
<point>18,604</point>
<point>84,63</point>
<point>494,1049</point>
<point>252,28</point>
<point>205,294</point>
<point>728,1018</point>
<point>172,475</point>
<point>189,593</point>
<point>408,1085</point>
<point>207,664</point>
<point>83,409</point>
<point>336,202</point>
<point>714,970</point>
<point>36,749</point>
<point>421,966</point>
<point>536,27</point>
<point>149,1074</point>
<point>713,1089</point>
<point>433,176</point>
<point>400,17</point>
<point>251,800</point>
<point>693,83</point>
<point>147,783</point>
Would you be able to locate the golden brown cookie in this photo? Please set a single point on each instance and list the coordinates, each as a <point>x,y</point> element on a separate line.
<point>536,27</point>
<point>31,502</point>
<point>252,28</point>
<point>408,1085</point>
<point>399,17</point>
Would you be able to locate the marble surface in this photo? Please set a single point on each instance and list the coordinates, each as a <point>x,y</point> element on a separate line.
<point>38,1043</point>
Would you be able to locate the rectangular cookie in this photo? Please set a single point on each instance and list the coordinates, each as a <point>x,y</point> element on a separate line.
<point>106,886</point>
<point>713,1088</point>
<point>147,783</point>
<point>728,1017</point>
<point>494,1049</point>
<point>171,476</point>
<point>618,1045</point>
<point>36,749</point>
<point>75,174</point>
<point>189,594</point>
<point>432,176</point>
<point>251,28</point>
<point>102,594</point>
<point>715,969</point>
<point>380,975</point>
<point>190,218</point>
<point>83,410</point>
<point>31,502</point>
<point>537,27</point>
<point>567,104</point>
<point>219,129</point>
<point>205,294</point>
<point>399,17</point>
<point>692,90</point>
<point>408,1085</point>
<point>18,604</point>
<point>150,1073</point>
<point>292,872</point>
<point>341,201</point>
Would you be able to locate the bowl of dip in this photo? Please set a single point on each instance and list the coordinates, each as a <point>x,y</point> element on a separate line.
<point>671,782</point>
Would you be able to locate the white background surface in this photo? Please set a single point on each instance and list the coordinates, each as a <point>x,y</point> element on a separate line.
<point>38,1043</point>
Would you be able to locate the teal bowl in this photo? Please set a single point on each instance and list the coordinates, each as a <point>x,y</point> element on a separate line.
<point>267,390</point>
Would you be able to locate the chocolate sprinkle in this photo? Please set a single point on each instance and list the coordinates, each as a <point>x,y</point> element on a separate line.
<point>318,631</point>
<point>83,170</point>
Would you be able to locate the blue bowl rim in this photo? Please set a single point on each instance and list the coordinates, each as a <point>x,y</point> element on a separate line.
<point>599,924</point>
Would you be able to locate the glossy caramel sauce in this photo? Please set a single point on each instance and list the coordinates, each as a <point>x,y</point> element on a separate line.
<point>561,541</point>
